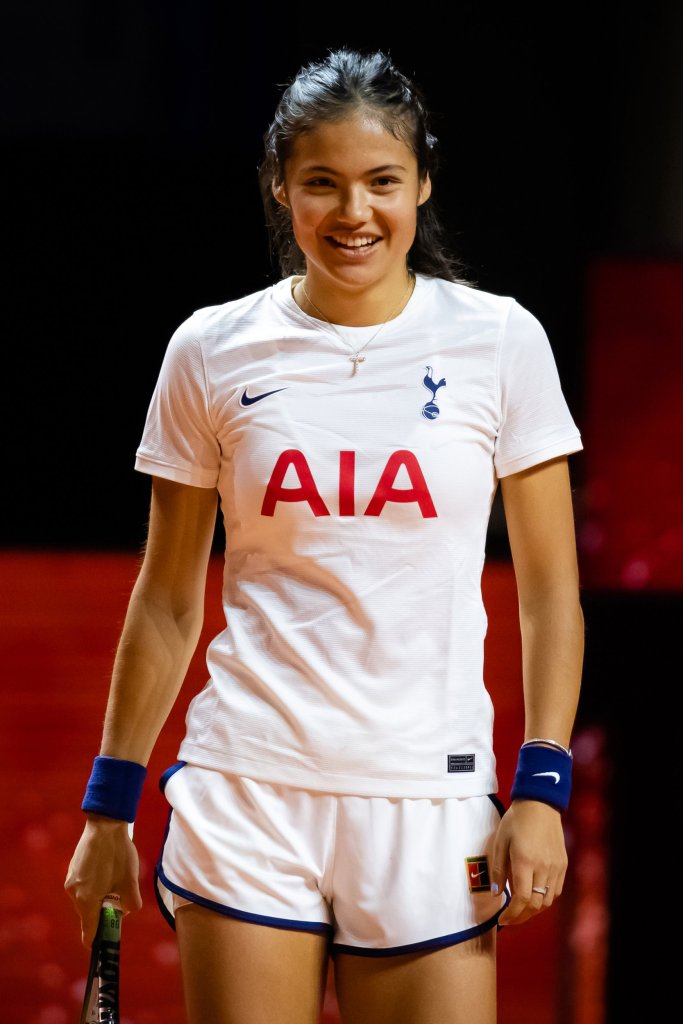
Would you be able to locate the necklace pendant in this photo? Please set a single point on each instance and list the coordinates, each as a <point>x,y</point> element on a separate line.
<point>356,360</point>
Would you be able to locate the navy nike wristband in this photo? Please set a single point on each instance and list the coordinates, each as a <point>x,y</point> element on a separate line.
<point>114,788</point>
<point>544,774</point>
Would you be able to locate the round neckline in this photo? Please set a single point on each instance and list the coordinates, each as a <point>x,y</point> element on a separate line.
<point>284,290</point>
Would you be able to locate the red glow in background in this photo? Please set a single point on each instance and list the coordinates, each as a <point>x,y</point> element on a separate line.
<point>63,614</point>
<point>631,534</point>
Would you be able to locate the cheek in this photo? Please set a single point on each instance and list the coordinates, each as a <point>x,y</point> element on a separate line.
<point>305,216</point>
<point>405,219</point>
<point>401,210</point>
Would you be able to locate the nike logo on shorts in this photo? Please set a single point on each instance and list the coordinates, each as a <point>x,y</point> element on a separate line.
<point>246,400</point>
<point>556,774</point>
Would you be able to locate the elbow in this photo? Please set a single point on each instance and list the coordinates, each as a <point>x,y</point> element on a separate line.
<point>553,602</point>
<point>190,625</point>
<point>181,611</point>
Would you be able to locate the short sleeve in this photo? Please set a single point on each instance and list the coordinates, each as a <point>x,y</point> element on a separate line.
<point>535,421</point>
<point>179,441</point>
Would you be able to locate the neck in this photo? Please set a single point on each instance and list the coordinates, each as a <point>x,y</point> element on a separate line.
<point>353,308</point>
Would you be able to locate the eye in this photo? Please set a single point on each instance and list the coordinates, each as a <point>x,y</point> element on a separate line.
<point>320,183</point>
<point>385,181</point>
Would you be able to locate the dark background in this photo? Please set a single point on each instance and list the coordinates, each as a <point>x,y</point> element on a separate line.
<point>131,134</point>
<point>130,138</point>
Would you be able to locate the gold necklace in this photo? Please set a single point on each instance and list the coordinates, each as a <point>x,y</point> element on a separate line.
<point>357,358</point>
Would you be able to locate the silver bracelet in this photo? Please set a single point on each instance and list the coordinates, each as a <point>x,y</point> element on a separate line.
<point>552,743</point>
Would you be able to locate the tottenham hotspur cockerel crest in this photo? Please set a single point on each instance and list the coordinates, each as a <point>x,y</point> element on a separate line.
<point>431,410</point>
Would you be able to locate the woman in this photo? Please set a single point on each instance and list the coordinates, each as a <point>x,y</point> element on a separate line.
<point>336,785</point>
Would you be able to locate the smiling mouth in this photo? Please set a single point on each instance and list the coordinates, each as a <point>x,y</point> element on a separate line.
<point>353,246</point>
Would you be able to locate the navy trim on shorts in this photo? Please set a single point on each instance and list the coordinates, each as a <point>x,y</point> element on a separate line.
<point>243,915</point>
<point>497,803</point>
<point>318,927</point>
<point>163,781</point>
<point>443,940</point>
<point>416,947</point>
<point>166,914</point>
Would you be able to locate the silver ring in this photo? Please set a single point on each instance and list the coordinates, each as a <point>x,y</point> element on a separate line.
<point>543,889</point>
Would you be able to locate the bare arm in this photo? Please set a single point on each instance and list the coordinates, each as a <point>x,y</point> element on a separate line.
<point>163,621</point>
<point>160,634</point>
<point>540,521</point>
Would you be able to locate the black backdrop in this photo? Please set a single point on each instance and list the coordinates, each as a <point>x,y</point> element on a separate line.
<point>130,137</point>
<point>131,133</point>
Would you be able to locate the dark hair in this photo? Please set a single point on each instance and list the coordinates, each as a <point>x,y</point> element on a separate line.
<point>327,91</point>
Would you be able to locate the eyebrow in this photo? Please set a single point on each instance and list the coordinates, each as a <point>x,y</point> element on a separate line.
<point>373,170</point>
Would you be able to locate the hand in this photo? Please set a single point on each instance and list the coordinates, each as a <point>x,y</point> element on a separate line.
<point>104,861</point>
<point>529,850</point>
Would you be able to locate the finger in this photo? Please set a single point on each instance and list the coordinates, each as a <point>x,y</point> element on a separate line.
<point>84,911</point>
<point>552,893</point>
<point>552,886</point>
<point>497,880</point>
<point>514,910</point>
<point>523,908</point>
<point>499,862</point>
<point>520,885</point>
<point>499,876</point>
<point>135,901</point>
<point>89,922</point>
<point>541,898</point>
<point>542,895</point>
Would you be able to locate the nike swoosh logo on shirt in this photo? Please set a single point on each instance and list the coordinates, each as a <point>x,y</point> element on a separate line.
<point>478,875</point>
<point>245,399</point>
<point>556,774</point>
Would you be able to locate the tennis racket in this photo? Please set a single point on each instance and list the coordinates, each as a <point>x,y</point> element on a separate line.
<point>101,1000</point>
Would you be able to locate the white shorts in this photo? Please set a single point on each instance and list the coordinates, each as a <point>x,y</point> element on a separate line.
<point>377,875</point>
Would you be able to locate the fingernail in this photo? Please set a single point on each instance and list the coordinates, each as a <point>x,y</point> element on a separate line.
<point>494,888</point>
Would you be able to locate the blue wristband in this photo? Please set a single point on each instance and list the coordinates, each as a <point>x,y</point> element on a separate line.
<point>114,788</point>
<point>543,774</point>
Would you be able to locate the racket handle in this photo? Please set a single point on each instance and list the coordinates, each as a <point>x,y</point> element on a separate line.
<point>101,1000</point>
<point>109,960</point>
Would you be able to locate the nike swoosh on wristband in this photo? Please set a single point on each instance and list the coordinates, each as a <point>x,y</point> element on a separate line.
<point>245,399</point>
<point>556,774</point>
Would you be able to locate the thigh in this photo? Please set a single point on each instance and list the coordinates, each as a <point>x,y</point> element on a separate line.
<point>455,985</point>
<point>236,972</point>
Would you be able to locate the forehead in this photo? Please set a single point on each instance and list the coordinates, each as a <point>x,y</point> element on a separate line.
<point>350,145</point>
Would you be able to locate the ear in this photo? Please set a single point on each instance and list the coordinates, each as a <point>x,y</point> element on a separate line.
<point>280,193</point>
<point>425,190</point>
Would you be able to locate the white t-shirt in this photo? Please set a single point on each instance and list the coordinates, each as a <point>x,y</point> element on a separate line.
<point>355,510</point>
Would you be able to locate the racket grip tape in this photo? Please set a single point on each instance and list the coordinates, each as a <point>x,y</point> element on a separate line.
<point>108,964</point>
<point>110,923</point>
<point>101,1002</point>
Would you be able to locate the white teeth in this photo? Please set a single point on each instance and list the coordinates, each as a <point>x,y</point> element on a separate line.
<point>353,242</point>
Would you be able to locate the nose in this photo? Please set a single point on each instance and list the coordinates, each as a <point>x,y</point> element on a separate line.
<point>354,206</point>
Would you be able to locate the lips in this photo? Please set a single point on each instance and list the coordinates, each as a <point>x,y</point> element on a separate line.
<point>351,244</point>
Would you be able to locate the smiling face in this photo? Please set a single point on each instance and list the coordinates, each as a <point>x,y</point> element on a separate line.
<point>352,190</point>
